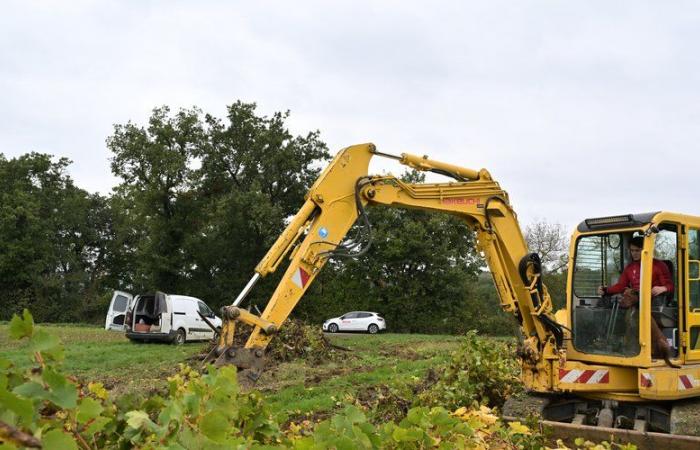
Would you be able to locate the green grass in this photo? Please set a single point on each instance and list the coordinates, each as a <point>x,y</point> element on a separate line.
<point>93,354</point>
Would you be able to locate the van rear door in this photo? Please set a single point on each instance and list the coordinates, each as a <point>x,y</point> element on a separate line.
<point>121,301</point>
<point>164,309</point>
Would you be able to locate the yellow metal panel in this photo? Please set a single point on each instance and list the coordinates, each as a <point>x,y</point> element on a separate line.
<point>578,377</point>
<point>667,383</point>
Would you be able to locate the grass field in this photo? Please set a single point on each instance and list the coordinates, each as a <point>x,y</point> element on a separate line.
<point>297,387</point>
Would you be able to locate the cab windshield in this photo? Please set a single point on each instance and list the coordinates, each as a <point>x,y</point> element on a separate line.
<point>600,325</point>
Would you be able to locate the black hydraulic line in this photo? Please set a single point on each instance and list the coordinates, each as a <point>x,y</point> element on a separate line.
<point>344,250</point>
<point>533,259</point>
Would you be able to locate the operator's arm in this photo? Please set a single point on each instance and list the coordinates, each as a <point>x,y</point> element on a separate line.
<point>622,284</point>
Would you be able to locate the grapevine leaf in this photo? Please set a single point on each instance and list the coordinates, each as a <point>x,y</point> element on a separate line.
<point>137,419</point>
<point>30,389</point>
<point>58,440</point>
<point>354,415</point>
<point>518,428</point>
<point>407,434</point>
<point>63,393</point>
<point>48,344</point>
<point>22,326</point>
<point>98,390</point>
<point>214,425</point>
<point>22,407</point>
<point>88,409</point>
<point>97,425</point>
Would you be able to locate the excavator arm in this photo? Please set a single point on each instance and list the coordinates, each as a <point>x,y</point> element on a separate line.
<point>333,205</point>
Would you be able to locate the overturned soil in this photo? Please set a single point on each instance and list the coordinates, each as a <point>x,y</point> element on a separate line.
<point>295,340</point>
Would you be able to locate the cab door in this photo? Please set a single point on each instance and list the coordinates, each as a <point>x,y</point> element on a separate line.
<point>692,294</point>
<point>116,314</point>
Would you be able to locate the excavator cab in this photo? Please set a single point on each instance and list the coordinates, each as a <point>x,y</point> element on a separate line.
<point>609,323</point>
<point>600,325</point>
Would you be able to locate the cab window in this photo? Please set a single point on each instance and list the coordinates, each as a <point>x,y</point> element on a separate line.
<point>600,326</point>
<point>599,261</point>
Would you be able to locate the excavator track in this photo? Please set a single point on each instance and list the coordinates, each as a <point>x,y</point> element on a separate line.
<point>683,422</point>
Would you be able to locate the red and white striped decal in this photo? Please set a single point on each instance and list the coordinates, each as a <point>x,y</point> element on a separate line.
<point>584,376</point>
<point>687,382</point>
<point>300,278</point>
<point>645,380</point>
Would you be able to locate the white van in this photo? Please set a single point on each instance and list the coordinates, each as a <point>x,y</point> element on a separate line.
<point>161,317</point>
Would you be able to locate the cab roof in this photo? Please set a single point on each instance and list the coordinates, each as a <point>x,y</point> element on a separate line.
<point>620,221</point>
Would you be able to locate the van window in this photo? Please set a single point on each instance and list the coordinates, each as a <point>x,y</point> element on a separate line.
<point>120,303</point>
<point>204,309</point>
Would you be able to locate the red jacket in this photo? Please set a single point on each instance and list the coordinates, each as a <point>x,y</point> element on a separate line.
<point>630,277</point>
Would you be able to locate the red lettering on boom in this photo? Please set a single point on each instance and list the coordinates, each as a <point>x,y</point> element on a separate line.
<point>461,201</point>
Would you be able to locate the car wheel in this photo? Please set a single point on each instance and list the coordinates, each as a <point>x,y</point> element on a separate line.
<point>333,328</point>
<point>180,337</point>
<point>373,329</point>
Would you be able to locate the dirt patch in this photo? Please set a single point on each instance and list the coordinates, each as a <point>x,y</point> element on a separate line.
<point>305,422</point>
<point>384,403</point>
<point>430,379</point>
<point>320,377</point>
<point>295,340</point>
<point>401,353</point>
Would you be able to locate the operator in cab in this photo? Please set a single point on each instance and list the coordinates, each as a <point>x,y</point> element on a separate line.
<point>660,278</point>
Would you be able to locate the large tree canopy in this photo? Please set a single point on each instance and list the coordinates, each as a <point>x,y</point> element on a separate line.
<point>53,239</point>
<point>200,201</point>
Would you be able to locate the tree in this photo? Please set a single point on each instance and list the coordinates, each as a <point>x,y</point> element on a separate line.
<point>155,166</point>
<point>201,230</point>
<point>254,175</point>
<point>53,239</point>
<point>551,242</point>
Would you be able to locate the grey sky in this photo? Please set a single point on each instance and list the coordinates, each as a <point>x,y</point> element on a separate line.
<point>579,109</point>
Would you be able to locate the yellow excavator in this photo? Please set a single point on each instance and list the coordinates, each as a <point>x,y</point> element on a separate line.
<point>592,368</point>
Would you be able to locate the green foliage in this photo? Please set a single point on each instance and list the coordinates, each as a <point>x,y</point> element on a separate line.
<point>53,239</point>
<point>482,371</point>
<point>42,406</point>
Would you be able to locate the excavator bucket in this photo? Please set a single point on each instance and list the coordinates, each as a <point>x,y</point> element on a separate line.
<point>249,361</point>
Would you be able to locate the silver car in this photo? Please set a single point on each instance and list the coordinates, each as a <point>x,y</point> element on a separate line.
<point>370,322</point>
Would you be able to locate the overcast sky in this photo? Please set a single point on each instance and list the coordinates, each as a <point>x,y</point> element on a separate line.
<point>579,109</point>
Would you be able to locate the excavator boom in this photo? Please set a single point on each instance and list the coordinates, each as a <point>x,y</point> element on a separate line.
<point>335,203</point>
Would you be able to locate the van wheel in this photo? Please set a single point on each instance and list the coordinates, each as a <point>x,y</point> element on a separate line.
<point>373,329</point>
<point>180,337</point>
